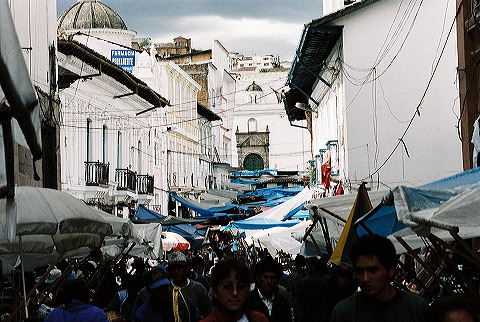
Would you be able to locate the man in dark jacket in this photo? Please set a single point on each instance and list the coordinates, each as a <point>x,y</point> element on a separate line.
<point>265,298</point>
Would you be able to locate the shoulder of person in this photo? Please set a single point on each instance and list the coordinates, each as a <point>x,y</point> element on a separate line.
<point>412,297</point>
<point>197,285</point>
<point>260,316</point>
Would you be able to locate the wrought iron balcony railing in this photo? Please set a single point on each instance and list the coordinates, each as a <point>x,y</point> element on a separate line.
<point>96,173</point>
<point>145,184</point>
<point>126,179</point>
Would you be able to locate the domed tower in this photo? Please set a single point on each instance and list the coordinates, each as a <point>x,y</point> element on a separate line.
<point>254,94</point>
<point>96,25</point>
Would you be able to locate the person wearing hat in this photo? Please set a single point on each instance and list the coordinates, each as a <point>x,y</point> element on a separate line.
<point>179,270</point>
<point>160,305</point>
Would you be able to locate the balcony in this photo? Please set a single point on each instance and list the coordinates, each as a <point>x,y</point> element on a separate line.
<point>96,173</point>
<point>144,184</point>
<point>126,179</point>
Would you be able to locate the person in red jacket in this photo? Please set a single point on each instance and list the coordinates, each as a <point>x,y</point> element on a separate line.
<point>230,284</point>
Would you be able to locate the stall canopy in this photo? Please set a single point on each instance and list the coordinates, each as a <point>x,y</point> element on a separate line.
<point>294,211</point>
<point>260,223</point>
<point>145,216</point>
<point>186,231</point>
<point>286,239</point>
<point>405,206</point>
<point>229,207</point>
<point>190,205</point>
<point>279,212</point>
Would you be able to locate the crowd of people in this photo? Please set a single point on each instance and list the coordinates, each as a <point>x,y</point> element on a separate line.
<point>203,287</point>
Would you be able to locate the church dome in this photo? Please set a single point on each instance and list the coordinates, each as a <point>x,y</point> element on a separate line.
<point>254,88</point>
<point>90,14</point>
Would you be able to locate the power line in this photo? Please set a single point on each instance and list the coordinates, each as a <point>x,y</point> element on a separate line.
<point>417,109</point>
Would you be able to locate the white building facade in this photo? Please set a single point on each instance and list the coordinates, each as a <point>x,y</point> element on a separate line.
<point>383,105</point>
<point>259,108</point>
<point>35,28</point>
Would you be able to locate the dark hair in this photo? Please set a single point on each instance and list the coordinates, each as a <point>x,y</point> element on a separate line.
<point>197,260</point>
<point>377,245</point>
<point>300,261</point>
<point>268,265</point>
<point>74,289</point>
<point>319,265</point>
<point>223,269</point>
<point>444,305</point>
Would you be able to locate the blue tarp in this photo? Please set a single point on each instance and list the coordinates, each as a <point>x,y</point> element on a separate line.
<point>273,192</point>
<point>383,219</point>
<point>255,173</point>
<point>191,206</point>
<point>302,214</point>
<point>243,181</point>
<point>145,214</point>
<point>275,202</point>
<point>260,223</point>
<point>294,211</point>
<point>186,231</point>
<point>228,206</point>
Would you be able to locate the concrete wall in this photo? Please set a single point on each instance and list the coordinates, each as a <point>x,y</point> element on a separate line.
<point>377,104</point>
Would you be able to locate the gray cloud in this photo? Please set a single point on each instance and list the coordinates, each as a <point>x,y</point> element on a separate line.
<point>245,26</point>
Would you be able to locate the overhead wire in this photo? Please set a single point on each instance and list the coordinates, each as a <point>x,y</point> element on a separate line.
<point>417,109</point>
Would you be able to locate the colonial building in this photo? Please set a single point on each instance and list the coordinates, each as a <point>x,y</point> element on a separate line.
<point>263,135</point>
<point>163,140</point>
<point>111,130</point>
<point>36,32</point>
<point>381,107</point>
<point>209,68</point>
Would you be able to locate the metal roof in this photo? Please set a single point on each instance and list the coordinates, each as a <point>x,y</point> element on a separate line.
<point>105,66</point>
<point>317,42</point>
<point>315,46</point>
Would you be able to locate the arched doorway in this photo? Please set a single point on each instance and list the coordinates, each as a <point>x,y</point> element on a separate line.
<point>253,162</point>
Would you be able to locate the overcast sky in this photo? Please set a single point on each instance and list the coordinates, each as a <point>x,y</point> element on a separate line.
<point>245,26</point>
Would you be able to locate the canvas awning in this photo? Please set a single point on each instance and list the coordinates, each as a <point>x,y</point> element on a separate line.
<point>144,215</point>
<point>260,223</point>
<point>395,212</point>
<point>190,205</point>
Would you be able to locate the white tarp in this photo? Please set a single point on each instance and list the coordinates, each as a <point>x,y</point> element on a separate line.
<point>286,239</point>
<point>279,211</point>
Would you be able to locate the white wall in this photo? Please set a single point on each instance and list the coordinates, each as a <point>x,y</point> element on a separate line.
<point>36,26</point>
<point>377,112</point>
<point>289,146</point>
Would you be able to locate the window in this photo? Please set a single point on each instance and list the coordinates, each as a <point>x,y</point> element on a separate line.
<point>139,157</point>
<point>252,125</point>
<point>105,144</point>
<point>119,150</point>
<point>89,140</point>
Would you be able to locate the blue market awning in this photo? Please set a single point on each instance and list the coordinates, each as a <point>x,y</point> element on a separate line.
<point>382,220</point>
<point>191,206</point>
<point>302,214</point>
<point>228,206</point>
<point>186,231</point>
<point>260,223</point>
<point>293,211</point>
<point>145,214</point>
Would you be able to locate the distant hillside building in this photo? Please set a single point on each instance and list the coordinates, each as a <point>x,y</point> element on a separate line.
<point>180,46</point>
<point>256,62</point>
